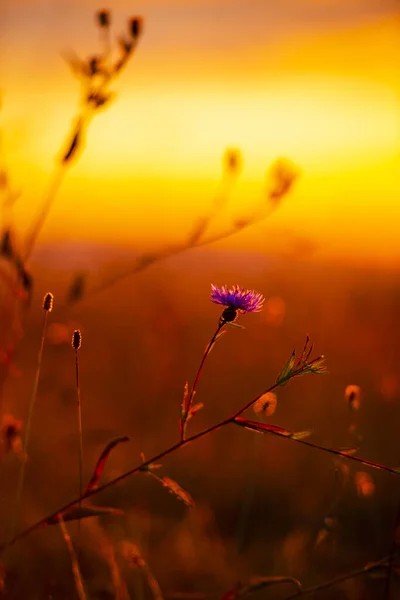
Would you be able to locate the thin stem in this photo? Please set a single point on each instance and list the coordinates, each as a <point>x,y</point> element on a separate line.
<point>386,594</point>
<point>56,180</point>
<point>80,433</point>
<point>145,260</point>
<point>63,165</point>
<point>327,584</point>
<point>138,468</point>
<point>28,426</point>
<point>177,446</point>
<point>189,401</point>
<point>59,173</point>
<point>80,590</point>
<point>201,225</point>
<point>105,41</point>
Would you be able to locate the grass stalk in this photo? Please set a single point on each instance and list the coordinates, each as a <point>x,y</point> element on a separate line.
<point>80,589</point>
<point>76,344</point>
<point>47,306</point>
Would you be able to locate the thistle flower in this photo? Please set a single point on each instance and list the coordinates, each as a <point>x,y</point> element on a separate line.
<point>236,300</point>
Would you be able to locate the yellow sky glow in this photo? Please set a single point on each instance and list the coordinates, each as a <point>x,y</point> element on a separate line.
<point>152,163</point>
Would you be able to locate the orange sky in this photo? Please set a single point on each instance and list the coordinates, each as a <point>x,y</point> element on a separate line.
<point>316,81</point>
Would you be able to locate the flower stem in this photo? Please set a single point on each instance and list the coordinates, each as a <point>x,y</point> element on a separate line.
<point>28,427</point>
<point>80,433</point>
<point>181,444</point>
<point>189,401</point>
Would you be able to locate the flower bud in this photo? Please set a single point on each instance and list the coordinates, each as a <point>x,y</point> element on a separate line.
<point>229,315</point>
<point>136,26</point>
<point>103,18</point>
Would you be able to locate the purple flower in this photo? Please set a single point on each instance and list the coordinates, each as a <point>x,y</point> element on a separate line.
<point>236,300</point>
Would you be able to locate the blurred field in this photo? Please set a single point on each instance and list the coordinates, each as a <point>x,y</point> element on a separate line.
<point>301,101</point>
<point>260,501</point>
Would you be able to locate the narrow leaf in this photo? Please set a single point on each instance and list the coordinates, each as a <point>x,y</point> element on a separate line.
<point>185,398</point>
<point>73,145</point>
<point>235,325</point>
<point>301,435</point>
<point>263,427</point>
<point>102,461</point>
<point>283,377</point>
<point>217,337</point>
<point>176,489</point>
<point>83,512</point>
<point>194,409</point>
<point>348,450</point>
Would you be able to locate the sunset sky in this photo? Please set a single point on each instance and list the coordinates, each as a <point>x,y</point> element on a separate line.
<point>316,81</point>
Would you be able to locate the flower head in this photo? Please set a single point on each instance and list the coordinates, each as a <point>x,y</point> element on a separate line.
<point>76,339</point>
<point>236,300</point>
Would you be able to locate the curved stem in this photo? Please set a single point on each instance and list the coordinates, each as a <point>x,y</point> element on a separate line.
<point>187,441</point>
<point>137,469</point>
<point>80,433</point>
<point>189,401</point>
<point>146,260</point>
<point>28,426</point>
<point>79,586</point>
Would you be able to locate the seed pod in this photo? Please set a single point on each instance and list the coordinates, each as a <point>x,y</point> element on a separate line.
<point>135,26</point>
<point>103,18</point>
<point>76,339</point>
<point>232,160</point>
<point>48,301</point>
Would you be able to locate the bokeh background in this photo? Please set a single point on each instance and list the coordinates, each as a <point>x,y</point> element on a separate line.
<point>314,81</point>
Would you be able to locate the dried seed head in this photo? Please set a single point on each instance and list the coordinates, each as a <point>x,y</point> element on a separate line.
<point>73,145</point>
<point>232,160</point>
<point>76,339</point>
<point>135,26</point>
<point>103,18</point>
<point>48,301</point>
<point>280,179</point>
